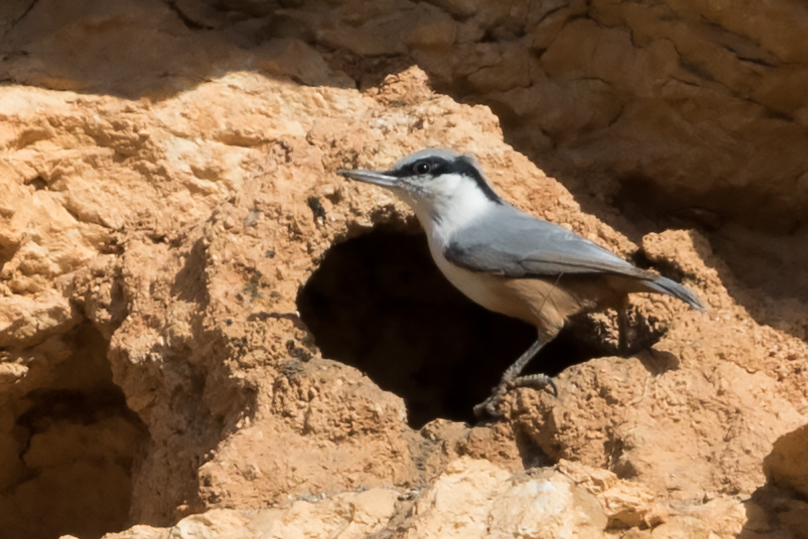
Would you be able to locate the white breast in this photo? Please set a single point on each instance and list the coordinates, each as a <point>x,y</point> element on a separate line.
<point>452,202</point>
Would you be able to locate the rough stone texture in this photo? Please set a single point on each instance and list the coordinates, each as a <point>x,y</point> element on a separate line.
<point>202,326</point>
<point>696,107</point>
<point>472,498</point>
<point>693,104</point>
<point>479,499</point>
<point>350,515</point>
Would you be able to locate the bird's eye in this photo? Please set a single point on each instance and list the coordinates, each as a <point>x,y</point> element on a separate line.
<point>422,168</point>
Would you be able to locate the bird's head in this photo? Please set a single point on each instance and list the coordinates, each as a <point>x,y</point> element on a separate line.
<point>435,182</point>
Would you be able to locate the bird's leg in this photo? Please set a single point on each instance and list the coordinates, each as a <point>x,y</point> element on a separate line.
<point>511,379</point>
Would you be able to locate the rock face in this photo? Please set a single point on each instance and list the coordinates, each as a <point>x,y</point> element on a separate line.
<point>204,331</point>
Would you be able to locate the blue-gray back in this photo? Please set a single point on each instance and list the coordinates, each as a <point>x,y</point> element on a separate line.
<point>511,243</point>
<point>514,244</point>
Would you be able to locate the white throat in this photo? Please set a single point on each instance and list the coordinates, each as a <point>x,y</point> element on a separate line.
<point>447,204</point>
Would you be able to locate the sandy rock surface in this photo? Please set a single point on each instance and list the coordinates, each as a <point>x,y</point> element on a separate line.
<point>205,332</point>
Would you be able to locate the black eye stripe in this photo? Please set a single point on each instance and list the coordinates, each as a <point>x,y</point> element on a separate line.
<point>435,166</point>
<point>438,166</point>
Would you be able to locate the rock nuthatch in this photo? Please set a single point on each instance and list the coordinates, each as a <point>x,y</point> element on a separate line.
<point>511,262</point>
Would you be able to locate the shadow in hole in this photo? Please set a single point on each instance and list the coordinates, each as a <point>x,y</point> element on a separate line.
<point>379,303</point>
<point>780,506</point>
<point>774,511</point>
<point>77,442</point>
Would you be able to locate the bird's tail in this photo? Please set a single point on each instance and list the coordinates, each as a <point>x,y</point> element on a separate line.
<point>666,286</point>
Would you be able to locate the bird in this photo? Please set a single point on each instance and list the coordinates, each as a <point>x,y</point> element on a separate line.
<point>509,261</point>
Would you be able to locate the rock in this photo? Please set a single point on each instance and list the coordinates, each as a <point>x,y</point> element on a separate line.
<point>640,93</point>
<point>625,505</point>
<point>348,515</point>
<point>295,59</point>
<point>203,324</point>
<point>477,499</point>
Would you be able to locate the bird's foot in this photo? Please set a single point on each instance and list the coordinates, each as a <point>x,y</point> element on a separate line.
<point>489,406</point>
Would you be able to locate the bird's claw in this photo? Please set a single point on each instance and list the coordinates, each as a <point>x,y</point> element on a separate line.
<point>537,381</point>
<point>489,406</point>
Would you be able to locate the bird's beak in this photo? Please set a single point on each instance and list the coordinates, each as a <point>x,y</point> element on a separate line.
<point>369,176</point>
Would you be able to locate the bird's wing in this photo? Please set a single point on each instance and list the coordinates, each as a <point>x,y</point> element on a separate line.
<point>511,243</point>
